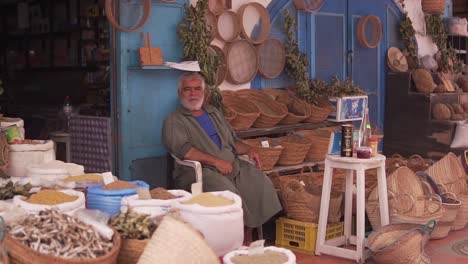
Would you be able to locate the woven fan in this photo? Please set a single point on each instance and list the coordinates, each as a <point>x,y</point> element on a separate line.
<point>242,62</point>
<point>271,56</point>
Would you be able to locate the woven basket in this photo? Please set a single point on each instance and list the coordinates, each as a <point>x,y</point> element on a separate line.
<point>271,112</point>
<point>271,57</point>
<point>22,254</point>
<point>417,163</point>
<point>229,114</point>
<point>302,203</point>
<point>318,114</point>
<point>280,95</point>
<point>295,150</point>
<point>131,250</point>
<point>227,22</point>
<point>268,156</point>
<point>222,68</point>
<point>263,24</point>
<point>320,140</point>
<point>462,216</point>
<point>394,162</point>
<point>448,171</point>
<point>404,181</point>
<point>451,206</point>
<point>435,7</point>
<point>299,110</point>
<point>399,244</point>
<point>246,112</point>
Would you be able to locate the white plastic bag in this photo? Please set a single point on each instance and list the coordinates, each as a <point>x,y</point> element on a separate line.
<point>12,213</point>
<point>97,219</point>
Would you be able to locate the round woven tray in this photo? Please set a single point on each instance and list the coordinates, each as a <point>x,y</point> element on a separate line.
<point>242,62</point>
<point>376,31</point>
<point>228,22</point>
<point>222,69</point>
<point>260,32</point>
<point>216,6</point>
<point>396,60</point>
<point>435,7</point>
<point>271,56</point>
<point>308,5</point>
<point>211,24</point>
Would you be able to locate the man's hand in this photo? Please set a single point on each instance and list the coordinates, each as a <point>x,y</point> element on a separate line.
<point>223,166</point>
<point>254,156</point>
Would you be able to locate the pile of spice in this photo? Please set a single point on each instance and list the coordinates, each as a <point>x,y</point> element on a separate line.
<point>161,194</point>
<point>11,189</point>
<point>119,185</point>
<point>209,200</point>
<point>84,177</point>
<point>53,233</point>
<point>51,197</point>
<point>133,226</point>
<point>269,257</point>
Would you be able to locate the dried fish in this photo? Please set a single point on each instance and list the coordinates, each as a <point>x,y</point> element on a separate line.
<point>53,233</point>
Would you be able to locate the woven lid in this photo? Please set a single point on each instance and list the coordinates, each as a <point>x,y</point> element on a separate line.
<point>396,60</point>
<point>242,62</point>
<point>271,56</point>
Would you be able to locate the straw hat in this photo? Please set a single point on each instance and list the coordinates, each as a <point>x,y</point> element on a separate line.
<point>176,242</point>
<point>396,60</point>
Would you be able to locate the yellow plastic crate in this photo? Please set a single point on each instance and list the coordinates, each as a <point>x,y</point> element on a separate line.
<point>301,236</point>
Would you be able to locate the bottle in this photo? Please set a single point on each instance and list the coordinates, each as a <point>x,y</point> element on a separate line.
<point>365,131</point>
<point>67,111</point>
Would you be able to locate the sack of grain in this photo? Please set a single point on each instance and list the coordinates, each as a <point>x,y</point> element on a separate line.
<point>212,221</point>
<point>49,199</point>
<point>22,156</point>
<point>153,207</point>
<point>271,255</point>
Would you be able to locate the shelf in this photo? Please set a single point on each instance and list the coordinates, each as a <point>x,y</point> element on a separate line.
<point>255,132</point>
<point>159,67</point>
<point>280,169</point>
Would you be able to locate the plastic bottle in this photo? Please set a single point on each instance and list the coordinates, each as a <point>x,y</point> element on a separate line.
<point>365,131</point>
<point>67,111</point>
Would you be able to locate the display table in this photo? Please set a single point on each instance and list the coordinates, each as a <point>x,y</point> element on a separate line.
<point>331,247</point>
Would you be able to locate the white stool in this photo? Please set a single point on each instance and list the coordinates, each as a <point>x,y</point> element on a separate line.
<point>331,247</point>
<point>62,137</point>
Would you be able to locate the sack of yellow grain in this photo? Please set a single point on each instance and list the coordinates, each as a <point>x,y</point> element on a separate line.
<point>85,180</point>
<point>153,207</point>
<point>66,201</point>
<point>211,213</point>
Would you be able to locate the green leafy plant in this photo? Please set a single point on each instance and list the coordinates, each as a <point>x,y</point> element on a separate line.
<point>407,35</point>
<point>297,63</point>
<point>195,37</point>
<point>345,88</point>
<point>436,30</point>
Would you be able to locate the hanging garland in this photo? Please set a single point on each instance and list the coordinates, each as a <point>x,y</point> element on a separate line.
<point>448,59</point>
<point>407,34</point>
<point>297,63</point>
<point>195,37</point>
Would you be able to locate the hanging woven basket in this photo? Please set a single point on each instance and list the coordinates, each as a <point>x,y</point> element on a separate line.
<point>435,7</point>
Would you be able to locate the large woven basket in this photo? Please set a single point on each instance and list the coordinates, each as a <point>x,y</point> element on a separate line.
<point>448,171</point>
<point>131,250</point>
<point>451,206</point>
<point>280,95</point>
<point>229,114</point>
<point>246,112</point>
<point>299,110</point>
<point>295,150</point>
<point>318,114</point>
<point>268,156</point>
<point>271,112</point>
<point>462,216</point>
<point>400,244</point>
<point>404,181</point>
<point>435,7</point>
<point>22,254</point>
<point>320,140</point>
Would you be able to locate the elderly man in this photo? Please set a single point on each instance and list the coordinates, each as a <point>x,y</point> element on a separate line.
<point>201,133</point>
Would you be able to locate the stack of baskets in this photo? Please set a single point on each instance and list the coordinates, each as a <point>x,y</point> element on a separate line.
<point>320,140</point>
<point>449,175</point>
<point>271,112</point>
<point>414,162</point>
<point>407,201</point>
<point>246,113</point>
<point>268,155</point>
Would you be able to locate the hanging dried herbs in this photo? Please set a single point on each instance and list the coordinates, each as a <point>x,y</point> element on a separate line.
<point>436,30</point>
<point>345,88</point>
<point>297,63</point>
<point>407,35</point>
<point>195,37</point>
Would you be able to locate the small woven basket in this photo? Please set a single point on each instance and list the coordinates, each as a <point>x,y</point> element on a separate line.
<point>318,114</point>
<point>451,206</point>
<point>280,95</point>
<point>246,112</point>
<point>268,156</point>
<point>435,7</point>
<point>271,112</point>
<point>320,140</point>
<point>400,244</point>
<point>299,110</point>
<point>131,250</point>
<point>417,163</point>
<point>295,150</point>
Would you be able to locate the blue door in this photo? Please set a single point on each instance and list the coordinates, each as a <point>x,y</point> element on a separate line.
<point>146,97</point>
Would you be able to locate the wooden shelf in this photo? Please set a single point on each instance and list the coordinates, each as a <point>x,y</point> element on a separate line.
<point>256,132</point>
<point>282,169</point>
<point>159,67</point>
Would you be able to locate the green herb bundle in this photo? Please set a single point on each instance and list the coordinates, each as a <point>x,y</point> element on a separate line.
<point>407,35</point>
<point>195,37</point>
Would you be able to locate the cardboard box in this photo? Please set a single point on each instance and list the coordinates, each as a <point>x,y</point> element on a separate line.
<point>348,108</point>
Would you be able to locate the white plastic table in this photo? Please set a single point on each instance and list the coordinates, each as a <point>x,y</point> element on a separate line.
<point>331,247</point>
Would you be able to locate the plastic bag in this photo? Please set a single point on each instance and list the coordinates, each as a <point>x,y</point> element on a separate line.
<point>12,213</point>
<point>97,219</point>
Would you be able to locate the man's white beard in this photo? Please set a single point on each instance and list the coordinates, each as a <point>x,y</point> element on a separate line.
<point>190,106</point>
